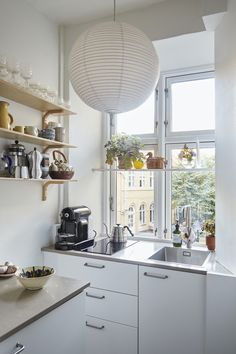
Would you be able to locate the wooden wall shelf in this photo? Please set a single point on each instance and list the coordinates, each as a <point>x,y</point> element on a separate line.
<point>11,134</point>
<point>21,95</point>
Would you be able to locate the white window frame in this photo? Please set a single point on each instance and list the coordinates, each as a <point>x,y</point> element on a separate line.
<point>142,214</point>
<point>168,177</point>
<point>131,216</point>
<point>160,138</point>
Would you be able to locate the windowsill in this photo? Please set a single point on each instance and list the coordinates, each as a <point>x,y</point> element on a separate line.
<point>161,240</point>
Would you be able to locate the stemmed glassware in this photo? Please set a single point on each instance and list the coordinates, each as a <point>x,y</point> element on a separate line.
<point>3,67</point>
<point>26,73</point>
<point>14,69</point>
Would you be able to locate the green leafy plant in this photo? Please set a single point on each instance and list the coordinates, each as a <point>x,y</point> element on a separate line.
<point>209,227</point>
<point>187,153</point>
<point>125,148</point>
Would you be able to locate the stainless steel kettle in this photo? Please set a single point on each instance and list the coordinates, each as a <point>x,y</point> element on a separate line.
<point>118,233</point>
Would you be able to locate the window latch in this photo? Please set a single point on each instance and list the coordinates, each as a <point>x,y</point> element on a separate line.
<point>111,202</point>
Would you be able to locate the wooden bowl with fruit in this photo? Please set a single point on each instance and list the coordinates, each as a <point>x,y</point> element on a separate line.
<point>35,278</point>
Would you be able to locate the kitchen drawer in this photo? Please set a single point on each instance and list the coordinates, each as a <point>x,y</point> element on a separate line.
<point>109,338</point>
<point>114,276</point>
<point>112,306</point>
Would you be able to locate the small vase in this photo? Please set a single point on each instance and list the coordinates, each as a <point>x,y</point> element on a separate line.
<point>210,242</point>
<point>124,164</point>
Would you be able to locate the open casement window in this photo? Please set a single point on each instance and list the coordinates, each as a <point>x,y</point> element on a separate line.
<point>180,111</point>
<point>190,105</point>
<point>195,190</point>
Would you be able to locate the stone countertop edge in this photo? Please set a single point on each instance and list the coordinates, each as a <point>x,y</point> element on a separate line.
<point>146,263</point>
<point>82,285</point>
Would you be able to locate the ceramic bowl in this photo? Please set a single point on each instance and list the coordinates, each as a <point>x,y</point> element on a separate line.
<point>34,283</point>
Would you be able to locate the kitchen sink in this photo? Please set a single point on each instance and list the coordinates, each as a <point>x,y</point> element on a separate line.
<point>180,255</point>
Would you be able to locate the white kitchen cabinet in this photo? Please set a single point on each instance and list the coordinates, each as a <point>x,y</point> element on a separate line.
<point>111,301</point>
<point>171,312</point>
<point>60,331</point>
<point>105,337</point>
<point>114,276</point>
<point>221,314</point>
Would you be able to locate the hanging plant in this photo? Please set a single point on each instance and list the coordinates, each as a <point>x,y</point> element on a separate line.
<point>187,157</point>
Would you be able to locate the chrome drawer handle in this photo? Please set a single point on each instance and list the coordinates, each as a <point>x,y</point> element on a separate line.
<point>95,296</point>
<point>94,265</point>
<point>20,348</point>
<point>93,326</point>
<point>159,276</point>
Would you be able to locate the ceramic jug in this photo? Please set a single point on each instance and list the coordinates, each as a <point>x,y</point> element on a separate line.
<point>6,118</point>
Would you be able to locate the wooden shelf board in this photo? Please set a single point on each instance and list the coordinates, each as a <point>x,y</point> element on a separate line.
<point>19,94</point>
<point>11,134</point>
<point>37,180</point>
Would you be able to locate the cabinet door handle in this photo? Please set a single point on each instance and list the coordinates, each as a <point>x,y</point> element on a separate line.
<point>94,265</point>
<point>153,275</point>
<point>20,348</point>
<point>93,326</point>
<point>95,296</point>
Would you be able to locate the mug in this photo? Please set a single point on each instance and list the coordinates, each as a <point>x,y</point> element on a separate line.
<point>31,130</point>
<point>19,128</point>
<point>47,133</point>
<point>53,125</point>
<point>60,134</point>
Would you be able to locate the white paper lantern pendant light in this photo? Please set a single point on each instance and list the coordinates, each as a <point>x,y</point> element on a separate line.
<point>113,67</point>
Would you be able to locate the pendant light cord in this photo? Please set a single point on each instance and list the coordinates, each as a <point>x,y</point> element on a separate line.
<point>114,15</point>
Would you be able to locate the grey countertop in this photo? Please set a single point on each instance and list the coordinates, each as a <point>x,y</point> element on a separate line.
<point>140,252</point>
<point>20,307</point>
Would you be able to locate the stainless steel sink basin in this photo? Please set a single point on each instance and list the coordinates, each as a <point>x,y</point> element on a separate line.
<point>180,255</point>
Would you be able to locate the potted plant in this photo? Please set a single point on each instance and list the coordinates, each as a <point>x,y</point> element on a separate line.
<point>126,149</point>
<point>187,157</point>
<point>209,228</point>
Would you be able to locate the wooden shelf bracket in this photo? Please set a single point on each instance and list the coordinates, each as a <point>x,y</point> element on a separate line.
<point>45,188</point>
<point>48,113</point>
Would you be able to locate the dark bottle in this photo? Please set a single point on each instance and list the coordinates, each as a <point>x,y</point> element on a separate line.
<point>176,236</point>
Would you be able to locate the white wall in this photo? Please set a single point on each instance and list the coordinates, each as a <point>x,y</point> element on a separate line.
<point>25,221</point>
<point>188,50</point>
<point>225,54</point>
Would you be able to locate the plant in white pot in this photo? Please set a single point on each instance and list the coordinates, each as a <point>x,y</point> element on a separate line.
<point>125,149</point>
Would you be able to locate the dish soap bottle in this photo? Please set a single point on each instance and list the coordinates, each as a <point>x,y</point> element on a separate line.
<point>176,236</point>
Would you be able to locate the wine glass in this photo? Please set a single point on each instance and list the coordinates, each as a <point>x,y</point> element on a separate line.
<point>26,73</point>
<point>3,66</point>
<point>14,68</point>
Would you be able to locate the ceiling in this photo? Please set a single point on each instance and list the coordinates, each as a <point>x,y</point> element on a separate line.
<point>81,11</point>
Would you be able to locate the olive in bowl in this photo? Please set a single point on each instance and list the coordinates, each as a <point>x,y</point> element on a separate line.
<point>34,278</point>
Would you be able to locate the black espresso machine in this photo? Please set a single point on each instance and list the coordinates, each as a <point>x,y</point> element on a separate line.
<point>73,231</point>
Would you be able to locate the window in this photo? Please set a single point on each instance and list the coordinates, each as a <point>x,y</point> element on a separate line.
<point>151,180</point>
<point>131,218</point>
<point>142,216</point>
<point>191,103</point>
<point>195,190</point>
<point>183,107</point>
<point>152,213</point>
<point>142,180</point>
<point>133,123</point>
<point>131,179</point>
